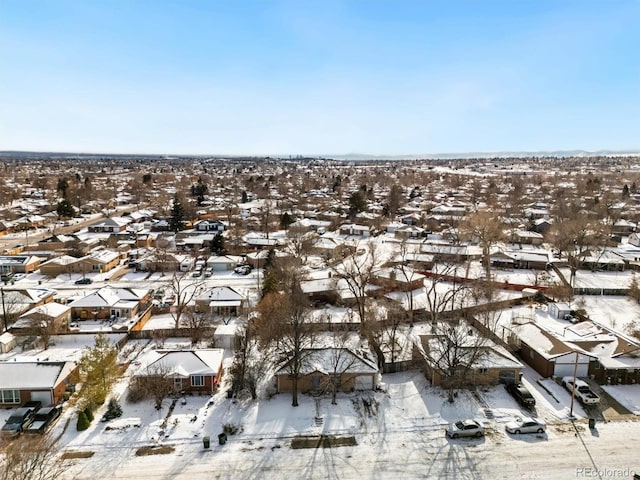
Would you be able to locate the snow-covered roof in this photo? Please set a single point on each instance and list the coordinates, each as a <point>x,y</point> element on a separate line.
<point>221,294</point>
<point>332,359</point>
<point>34,375</point>
<point>182,363</point>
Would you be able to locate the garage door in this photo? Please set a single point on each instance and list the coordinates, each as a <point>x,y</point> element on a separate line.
<point>44,397</point>
<point>364,382</point>
<point>566,370</point>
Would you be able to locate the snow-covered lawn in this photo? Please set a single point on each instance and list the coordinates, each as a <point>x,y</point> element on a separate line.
<point>589,279</point>
<point>619,313</point>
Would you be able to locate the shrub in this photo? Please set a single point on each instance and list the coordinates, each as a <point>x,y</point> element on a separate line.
<point>88,413</point>
<point>136,393</point>
<point>83,422</point>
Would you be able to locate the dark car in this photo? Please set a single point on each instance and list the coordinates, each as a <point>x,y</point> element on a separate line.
<point>521,394</point>
<point>18,421</point>
<point>43,419</point>
<point>84,281</point>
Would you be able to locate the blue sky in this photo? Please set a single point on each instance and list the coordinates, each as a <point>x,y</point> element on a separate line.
<point>319,77</point>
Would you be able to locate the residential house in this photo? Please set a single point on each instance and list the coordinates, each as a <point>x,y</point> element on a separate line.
<point>19,263</point>
<point>223,301</point>
<point>548,354</point>
<point>526,237</point>
<point>35,381</point>
<point>355,230</point>
<point>108,302</point>
<point>402,278</point>
<point>409,231</point>
<point>209,226</point>
<point>191,371</point>
<point>355,371</point>
<point>53,316</point>
<point>465,363</point>
<point>224,263</point>
<point>110,225</point>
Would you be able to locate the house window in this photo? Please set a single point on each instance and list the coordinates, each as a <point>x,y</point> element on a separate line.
<point>197,380</point>
<point>483,370</point>
<point>95,268</point>
<point>9,396</point>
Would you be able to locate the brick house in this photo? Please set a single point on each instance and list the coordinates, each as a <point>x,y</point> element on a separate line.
<point>356,371</point>
<point>43,381</point>
<point>191,371</point>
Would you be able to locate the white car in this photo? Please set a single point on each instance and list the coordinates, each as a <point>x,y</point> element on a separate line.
<point>526,425</point>
<point>465,428</point>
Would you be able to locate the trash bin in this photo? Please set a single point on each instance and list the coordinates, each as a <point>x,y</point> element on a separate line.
<point>230,393</point>
<point>222,438</point>
<point>206,441</point>
<point>592,423</point>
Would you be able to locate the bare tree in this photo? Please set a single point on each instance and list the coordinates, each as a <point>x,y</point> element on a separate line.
<point>578,238</point>
<point>341,360</point>
<point>158,382</point>
<point>487,229</point>
<point>357,272</point>
<point>299,243</point>
<point>444,290</point>
<point>12,306</point>
<point>197,322</point>
<point>31,458</point>
<point>184,290</point>
<point>44,326</point>
<point>284,320</point>
<point>251,361</point>
<point>454,349</point>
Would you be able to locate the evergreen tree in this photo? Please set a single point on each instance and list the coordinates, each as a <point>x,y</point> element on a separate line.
<point>285,220</point>
<point>65,209</point>
<point>89,413</point>
<point>357,202</point>
<point>625,190</point>
<point>83,422</point>
<point>177,215</point>
<point>98,369</point>
<point>217,245</point>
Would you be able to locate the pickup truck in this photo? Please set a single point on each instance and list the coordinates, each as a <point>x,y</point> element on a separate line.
<point>583,392</point>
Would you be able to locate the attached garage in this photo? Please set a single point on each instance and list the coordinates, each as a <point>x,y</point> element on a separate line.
<point>46,397</point>
<point>565,365</point>
<point>364,382</point>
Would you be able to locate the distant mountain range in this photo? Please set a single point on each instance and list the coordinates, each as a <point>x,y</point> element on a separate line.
<point>451,156</point>
<point>349,156</point>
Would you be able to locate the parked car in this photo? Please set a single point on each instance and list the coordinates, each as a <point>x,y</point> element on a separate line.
<point>208,272</point>
<point>243,270</point>
<point>583,391</point>
<point>19,420</point>
<point>465,428</point>
<point>43,419</point>
<point>196,273</point>
<point>84,281</point>
<point>521,394</point>
<point>526,425</point>
<point>5,277</point>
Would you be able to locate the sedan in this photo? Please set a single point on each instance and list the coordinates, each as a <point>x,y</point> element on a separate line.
<point>465,428</point>
<point>526,425</point>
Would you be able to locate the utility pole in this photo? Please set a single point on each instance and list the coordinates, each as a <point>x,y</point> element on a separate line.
<point>4,310</point>
<point>573,387</point>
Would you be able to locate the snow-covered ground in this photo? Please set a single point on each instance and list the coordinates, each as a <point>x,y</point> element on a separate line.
<point>399,433</point>
<point>619,313</point>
